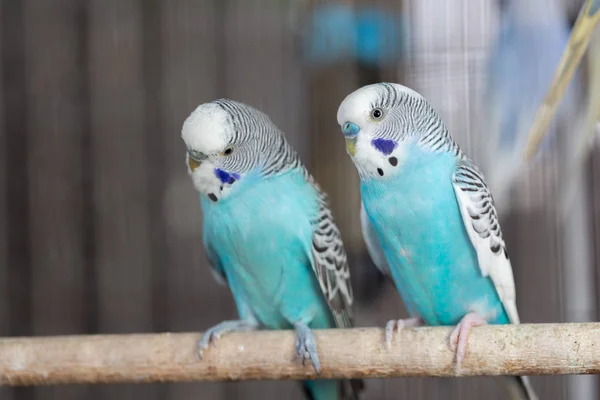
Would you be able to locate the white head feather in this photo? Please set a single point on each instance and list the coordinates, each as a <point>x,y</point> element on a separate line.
<point>357,106</point>
<point>226,140</point>
<point>405,118</point>
<point>207,130</point>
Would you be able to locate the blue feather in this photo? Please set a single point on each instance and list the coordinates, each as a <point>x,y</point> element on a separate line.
<point>384,146</point>
<point>226,177</point>
<point>431,258</point>
<point>269,269</point>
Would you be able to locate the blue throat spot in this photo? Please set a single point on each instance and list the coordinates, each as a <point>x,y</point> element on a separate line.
<point>384,146</point>
<point>226,177</point>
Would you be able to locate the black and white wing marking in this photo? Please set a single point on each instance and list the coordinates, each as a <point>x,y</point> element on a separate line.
<point>481,221</point>
<point>372,241</point>
<point>331,264</point>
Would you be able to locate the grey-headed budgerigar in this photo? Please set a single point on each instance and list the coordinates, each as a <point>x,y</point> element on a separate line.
<point>430,213</point>
<point>268,233</point>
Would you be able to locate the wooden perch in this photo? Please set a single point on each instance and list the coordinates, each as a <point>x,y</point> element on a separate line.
<point>542,349</point>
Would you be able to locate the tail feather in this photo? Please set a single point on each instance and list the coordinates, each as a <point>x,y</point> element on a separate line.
<point>307,391</point>
<point>333,390</point>
<point>519,388</point>
<point>351,389</point>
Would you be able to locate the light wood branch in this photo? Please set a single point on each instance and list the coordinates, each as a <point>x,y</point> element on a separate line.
<point>539,349</point>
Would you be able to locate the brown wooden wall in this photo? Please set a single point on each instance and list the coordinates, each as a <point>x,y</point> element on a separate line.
<point>100,228</point>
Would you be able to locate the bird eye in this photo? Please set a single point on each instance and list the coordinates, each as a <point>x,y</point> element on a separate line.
<point>377,113</point>
<point>228,151</point>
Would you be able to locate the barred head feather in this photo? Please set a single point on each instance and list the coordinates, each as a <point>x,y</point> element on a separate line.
<point>226,139</point>
<point>377,118</point>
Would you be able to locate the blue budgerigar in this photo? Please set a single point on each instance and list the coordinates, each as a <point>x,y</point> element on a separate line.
<point>580,37</point>
<point>524,56</point>
<point>268,233</point>
<point>432,216</point>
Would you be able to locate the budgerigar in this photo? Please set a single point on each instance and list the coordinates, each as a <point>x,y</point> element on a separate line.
<point>524,56</point>
<point>587,131</point>
<point>580,37</point>
<point>370,34</point>
<point>268,232</point>
<point>432,214</point>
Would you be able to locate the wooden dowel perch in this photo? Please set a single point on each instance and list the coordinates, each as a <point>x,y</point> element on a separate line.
<point>538,349</point>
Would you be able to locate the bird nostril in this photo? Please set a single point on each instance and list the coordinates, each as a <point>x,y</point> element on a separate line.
<point>350,129</point>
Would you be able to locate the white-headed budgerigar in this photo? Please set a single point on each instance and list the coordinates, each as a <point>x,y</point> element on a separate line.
<point>268,233</point>
<point>432,214</point>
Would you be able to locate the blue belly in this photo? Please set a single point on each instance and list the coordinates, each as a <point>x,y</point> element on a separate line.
<point>432,261</point>
<point>263,236</point>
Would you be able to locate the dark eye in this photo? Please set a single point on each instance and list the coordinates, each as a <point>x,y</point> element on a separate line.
<point>228,151</point>
<point>377,113</point>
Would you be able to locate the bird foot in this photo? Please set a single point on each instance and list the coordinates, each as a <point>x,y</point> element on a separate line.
<point>306,346</point>
<point>397,324</point>
<point>214,333</point>
<point>460,335</point>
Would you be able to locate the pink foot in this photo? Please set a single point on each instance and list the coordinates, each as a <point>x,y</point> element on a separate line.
<point>396,325</point>
<point>460,335</point>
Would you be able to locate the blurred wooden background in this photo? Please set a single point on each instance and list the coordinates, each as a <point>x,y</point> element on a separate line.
<point>100,228</point>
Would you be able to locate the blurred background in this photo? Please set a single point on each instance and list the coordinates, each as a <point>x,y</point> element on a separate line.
<point>100,227</point>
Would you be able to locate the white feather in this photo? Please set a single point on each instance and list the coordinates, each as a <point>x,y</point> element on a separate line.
<point>207,130</point>
<point>494,265</point>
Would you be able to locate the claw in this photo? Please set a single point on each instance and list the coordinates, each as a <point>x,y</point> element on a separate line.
<point>306,346</point>
<point>396,325</point>
<point>460,335</point>
<point>213,334</point>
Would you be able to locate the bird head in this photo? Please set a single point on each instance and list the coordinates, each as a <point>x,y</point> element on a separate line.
<point>223,140</point>
<point>381,122</point>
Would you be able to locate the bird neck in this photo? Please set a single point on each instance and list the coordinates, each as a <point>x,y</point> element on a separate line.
<point>278,157</point>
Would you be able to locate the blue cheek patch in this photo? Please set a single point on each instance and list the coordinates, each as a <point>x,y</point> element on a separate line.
<point>226,177</point>
<point>384,146</point>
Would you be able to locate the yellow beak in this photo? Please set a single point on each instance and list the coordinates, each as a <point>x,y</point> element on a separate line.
<point>351,146</point>
<point>193,163</point>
